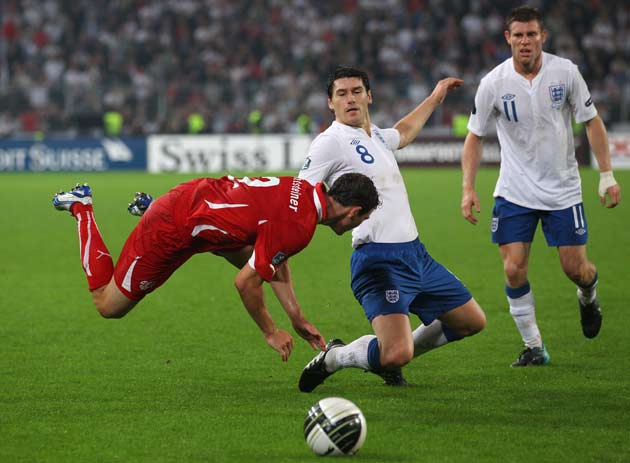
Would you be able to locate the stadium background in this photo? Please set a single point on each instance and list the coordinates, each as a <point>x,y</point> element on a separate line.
<point>64,64</point>
<point>106,90</point>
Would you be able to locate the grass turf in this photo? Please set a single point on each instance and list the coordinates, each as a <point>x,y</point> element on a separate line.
<point>187,377</point>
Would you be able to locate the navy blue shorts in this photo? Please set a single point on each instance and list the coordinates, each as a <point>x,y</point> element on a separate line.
<point>401,278</point>
<point>513,223</point>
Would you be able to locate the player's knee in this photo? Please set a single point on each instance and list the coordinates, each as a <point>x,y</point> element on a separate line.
<point>470,320</point>
<point>397,356</point>
<point>474,326</point>
<point>515,272</point>
<point>110,312</point>
<point>111,305</point>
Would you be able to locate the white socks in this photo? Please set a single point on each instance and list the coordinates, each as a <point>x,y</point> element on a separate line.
<point>523,312</point>
<point>354,355</point>
<point>427,337</point>
<point>586,295</point>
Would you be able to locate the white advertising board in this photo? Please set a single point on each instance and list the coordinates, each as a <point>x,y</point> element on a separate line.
<point>220,153</point>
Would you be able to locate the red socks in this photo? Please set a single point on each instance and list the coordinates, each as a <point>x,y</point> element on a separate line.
<point>95,257</point>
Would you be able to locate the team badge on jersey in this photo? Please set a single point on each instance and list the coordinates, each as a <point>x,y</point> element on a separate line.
<point>279,258</point>
<point>146,285</point>
<point>557,94</point>
<point>392,296</point>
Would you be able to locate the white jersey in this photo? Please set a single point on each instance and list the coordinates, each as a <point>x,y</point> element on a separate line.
<point>533,121</point>
<point>341,149</point>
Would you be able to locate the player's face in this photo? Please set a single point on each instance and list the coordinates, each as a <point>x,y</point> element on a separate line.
<point>350,101</point>
<point>526,40</point>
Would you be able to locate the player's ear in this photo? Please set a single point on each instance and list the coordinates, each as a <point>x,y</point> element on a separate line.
<point>369,95</point>
<point>506,34</point>
<point>354,211</point>
<point>330,105</point>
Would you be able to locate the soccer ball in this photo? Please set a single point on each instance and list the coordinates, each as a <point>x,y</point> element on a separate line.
<point>335,426</point>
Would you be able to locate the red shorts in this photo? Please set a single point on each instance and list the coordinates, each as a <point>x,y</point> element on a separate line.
<point>154,250</point>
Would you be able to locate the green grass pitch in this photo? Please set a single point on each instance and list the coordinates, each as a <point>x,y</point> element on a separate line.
<point>187,377</point>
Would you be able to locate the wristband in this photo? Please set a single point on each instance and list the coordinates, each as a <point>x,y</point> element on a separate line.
<point>606,180</point>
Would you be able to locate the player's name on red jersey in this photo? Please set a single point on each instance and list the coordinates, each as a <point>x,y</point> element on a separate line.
<point>294,196</point>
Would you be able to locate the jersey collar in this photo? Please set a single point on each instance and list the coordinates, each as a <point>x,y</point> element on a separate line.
<point>351,129</point>
<point>320,201</point>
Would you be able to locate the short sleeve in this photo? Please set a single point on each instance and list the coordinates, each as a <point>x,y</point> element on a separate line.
<point>321,160</point>
<point>481,116</point>
<point>580,99</point>
<point>391,137</point>
<point>276,242</point>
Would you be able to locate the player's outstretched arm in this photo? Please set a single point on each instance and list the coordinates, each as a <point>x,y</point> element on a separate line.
<point>471,157</point>
<point>282,285</point>
<point>249,285</point>
<point>410,126</point>
<point>598,139</point>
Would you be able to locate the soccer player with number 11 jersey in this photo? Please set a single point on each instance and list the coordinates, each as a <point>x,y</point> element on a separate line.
<point>531,98</point>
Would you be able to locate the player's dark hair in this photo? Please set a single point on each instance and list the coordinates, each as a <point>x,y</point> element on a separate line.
<point>346,71</point>
<point>354,189</point>
<point>523,14</point>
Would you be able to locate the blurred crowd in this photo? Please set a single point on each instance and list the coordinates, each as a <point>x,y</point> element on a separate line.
<point>240,66</point>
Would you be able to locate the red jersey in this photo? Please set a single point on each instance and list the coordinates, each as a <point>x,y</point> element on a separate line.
<point>277,215</point>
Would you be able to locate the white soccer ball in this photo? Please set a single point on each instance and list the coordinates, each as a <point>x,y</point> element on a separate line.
<point>335,426</point>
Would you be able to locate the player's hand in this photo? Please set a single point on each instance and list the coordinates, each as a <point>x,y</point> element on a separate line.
<point>611,189</point>
<point>444,86</point>
<point>281,342</point>
<point>311,334</point>
<point>470,200</point>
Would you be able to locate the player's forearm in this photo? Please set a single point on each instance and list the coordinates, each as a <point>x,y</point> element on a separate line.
<point>254,301</point>
<point>598,140</point>
<point>471,158</point>
<point>282,286</point>
<point>249,286</point>
<point>410,126</point>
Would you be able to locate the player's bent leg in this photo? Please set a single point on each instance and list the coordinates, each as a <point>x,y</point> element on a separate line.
<point>395,342</point>
<point>584,274</point>
<point>576,265</point>
<point>111,302</point>
<point>465,320</point>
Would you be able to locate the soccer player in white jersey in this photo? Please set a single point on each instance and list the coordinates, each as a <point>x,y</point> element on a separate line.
<point>531,98</point>
<point>392,273</point>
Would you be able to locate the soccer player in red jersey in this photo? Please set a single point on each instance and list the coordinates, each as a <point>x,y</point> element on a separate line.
<point>255,223</point>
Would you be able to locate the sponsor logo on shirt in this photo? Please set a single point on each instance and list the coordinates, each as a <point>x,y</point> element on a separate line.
<point>588,102</point>
<point>392,296</point>
<point>307,164</point>
<point>355,141</point>
<point>557,94</point>
<point>279,258</point>
<point>508,97</point>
